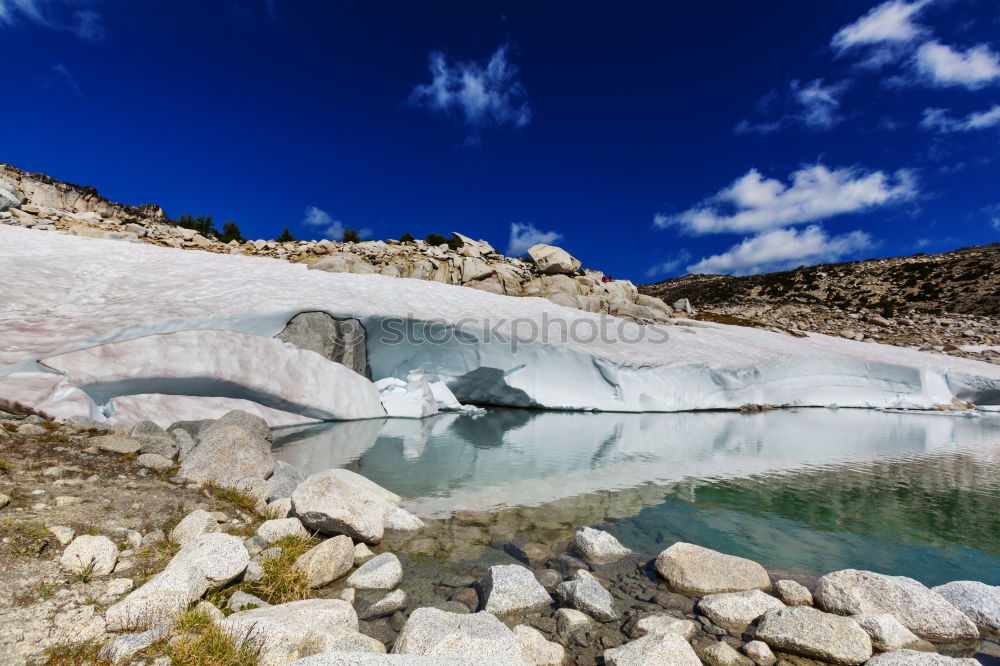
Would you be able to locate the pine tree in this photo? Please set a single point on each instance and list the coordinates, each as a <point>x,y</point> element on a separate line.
<point>351,236</point>
<point>286,237</point>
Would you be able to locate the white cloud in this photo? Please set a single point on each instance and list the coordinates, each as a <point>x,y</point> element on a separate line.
<point>782,249</point>
<point>943,66</point>
<point>670,266</point>
<point>86,24</point>
<point>814,105</point>
<point>820,103</point>
<point>755,203</point>
<point>482,94</point>
<point>888,23</point>
<point>523,236</point>
<point>329,227</point>
<point>939,120</point>
<point>63,74</point>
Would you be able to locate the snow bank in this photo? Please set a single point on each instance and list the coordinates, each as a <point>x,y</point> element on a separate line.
<point>112,292</point>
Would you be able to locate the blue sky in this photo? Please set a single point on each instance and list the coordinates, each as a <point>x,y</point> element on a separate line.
<point>649,139</point>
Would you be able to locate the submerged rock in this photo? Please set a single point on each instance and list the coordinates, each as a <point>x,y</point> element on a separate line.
<point>585,594</point>
<point>511,588</point>
<point>382,572</point>
<point>598,546</point>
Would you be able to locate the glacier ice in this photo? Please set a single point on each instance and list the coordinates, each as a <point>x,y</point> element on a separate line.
<point>66,294</point>
<point>412,399</point>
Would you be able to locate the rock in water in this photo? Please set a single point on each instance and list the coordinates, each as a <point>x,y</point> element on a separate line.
<point>921,610</point>
<point>598,546</point>
<point>691,568</point>
<point>536,650</point>
<point>812,633</point>
<point>552,259</point>
<point>585,594</point>
<point>438,633</point>
<point>653,650</point>
<point>737,610</point>
<point>888,633</point>
<point>914,658</point>
<point>511,588</point>
<point>339,340</point>
<point>382,572</point>
<point>235,448</point>
<point>338,501</point>
<point>979,601</point>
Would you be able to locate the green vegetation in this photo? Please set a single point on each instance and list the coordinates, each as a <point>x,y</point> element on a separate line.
<point>74,655</point>
<point>200,642</point>
<point>203,224</point>
<point>407,238</point>
<point>282,582</point>
<point>286,237</point>
<point>4,466</point>
<point>438,239</point>
<point>26,539</point>
<point>351,236</point>
<point>231,232</point>
<point>233,499</point>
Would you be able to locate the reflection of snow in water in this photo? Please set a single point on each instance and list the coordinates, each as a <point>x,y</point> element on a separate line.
<point>526,458</point>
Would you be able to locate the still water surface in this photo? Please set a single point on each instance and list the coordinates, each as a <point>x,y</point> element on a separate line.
<point>813,489</point>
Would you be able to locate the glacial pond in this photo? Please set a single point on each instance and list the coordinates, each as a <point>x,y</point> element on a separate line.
<point>808,490</point>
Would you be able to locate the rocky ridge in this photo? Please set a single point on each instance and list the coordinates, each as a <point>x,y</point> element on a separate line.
<point>946,303</point>
<point>39,202</point>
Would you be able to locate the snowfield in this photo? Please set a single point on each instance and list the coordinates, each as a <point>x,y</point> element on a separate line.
<point>85,322</point>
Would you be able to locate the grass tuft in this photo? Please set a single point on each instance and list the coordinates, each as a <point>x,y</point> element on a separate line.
<point>74,655</point>
<point>4,466</point>
<point>202,643</point>
<point>234,499</point>
<point>281,582</point>
<point>24,539</point>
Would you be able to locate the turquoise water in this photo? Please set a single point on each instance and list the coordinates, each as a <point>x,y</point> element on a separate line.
<point>817,490</point>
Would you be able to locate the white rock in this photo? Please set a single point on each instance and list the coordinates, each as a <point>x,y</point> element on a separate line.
<point>598,546</point>
<point>338,501</point>
<point>327,561</point>
<point>814,634</point>
<point>551,259</point>
<point>760,653</point>
<point>536,650</point>
<point>362,553</point>
<point>122,647</point>
<point>437,633</point>
<point>154,461</point>
<point>192,526</point>
<point>94,554</point>
<point>979,601</point>
<point>382,572</point>
<point>219,557</point>
<point>723,654</point>
<point>387,605</point>
<point>64,535</point>
<point>272,530</point>
<point>585,594</point>
<point>285,632</point>
<point>888,633</point>
<point>230,450</point>
<point>401,520</point>
<point>792,593</point>
<point>512,588</point>
<point>690,568</point>
<point>665,624</point>
<point>737,610</point>
<point>569,620</point>
<point>922,611</point>
<point>653,650</point>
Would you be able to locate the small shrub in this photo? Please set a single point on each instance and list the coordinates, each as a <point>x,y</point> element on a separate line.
<point>4,466</point>
<point>407,238</point>
<point>234,499</point>
<point>351,236</point>
<point>286,237</point>
<point>438,239</point>
<point>281,582</point>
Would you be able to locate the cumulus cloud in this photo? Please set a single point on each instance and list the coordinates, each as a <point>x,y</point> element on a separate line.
<point>755,203</point>
<point>884,33</point>
<point>86,24</point>
<point>669,266</point>
<point>940,121</point>
<point>523,236</point>
<point>941,65</point>
<point>329,228</point>
<point>480,94</point>
<point>814,105</point>
<point>782,249</point>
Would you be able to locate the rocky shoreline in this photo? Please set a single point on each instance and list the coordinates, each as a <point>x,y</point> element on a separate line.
<point>147,546</point>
